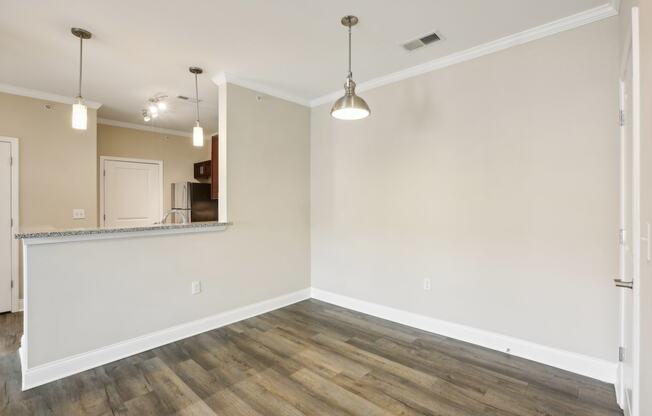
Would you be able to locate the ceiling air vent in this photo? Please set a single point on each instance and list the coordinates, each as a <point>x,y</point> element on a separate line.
<point>186,98</point>
<point>422,41</point>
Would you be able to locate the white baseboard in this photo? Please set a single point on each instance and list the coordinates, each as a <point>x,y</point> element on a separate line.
<point>55,370</point>
<point>577,363</point>
<point>570,361</point>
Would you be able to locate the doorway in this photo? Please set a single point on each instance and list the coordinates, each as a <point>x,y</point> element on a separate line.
<point>630,222</point>
<point>131,192</point>
<point>8,225</point>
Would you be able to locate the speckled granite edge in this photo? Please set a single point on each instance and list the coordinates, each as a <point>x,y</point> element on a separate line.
<point>97,231</point>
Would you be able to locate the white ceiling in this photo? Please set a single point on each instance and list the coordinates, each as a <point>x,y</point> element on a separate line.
<point>141,48</point>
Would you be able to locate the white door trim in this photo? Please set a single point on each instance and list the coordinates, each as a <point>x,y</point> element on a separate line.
<point>127,159</point>
<point>620,384</point>
<point>15,216</point>
<point>636,216</point>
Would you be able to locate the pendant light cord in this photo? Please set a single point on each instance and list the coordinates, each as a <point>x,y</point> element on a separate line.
<point>197,97</point>
<point>81,48</point>
<point>350,73</point>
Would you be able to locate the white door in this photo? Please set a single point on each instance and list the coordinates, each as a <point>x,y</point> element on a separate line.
<point>132,192</point>
<point>630,240</point>
<point>6,243</point>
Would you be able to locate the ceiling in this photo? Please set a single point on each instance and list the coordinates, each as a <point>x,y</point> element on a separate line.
<point>142,48</point>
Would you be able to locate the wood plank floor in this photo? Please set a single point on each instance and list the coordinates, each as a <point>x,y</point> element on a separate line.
<point>310,358</point>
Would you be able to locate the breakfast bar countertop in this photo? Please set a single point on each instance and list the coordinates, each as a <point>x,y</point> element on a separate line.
<point>42,236</point>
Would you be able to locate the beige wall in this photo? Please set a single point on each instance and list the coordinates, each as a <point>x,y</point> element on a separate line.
<point>177,153</point>
<point>58,169</point>
<point>497,179</point>
<point>134,286</point>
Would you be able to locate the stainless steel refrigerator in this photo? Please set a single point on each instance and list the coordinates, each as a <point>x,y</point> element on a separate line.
<point>195,200</point>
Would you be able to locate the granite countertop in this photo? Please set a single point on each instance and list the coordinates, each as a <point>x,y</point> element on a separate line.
<point>124,230</point>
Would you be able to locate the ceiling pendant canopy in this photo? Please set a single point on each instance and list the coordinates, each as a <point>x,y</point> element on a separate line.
<point>79,110</point>
<point>350,106</point>
<point>197,131</point>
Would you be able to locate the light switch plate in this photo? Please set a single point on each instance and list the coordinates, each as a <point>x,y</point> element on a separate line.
<point>78,214</point>
<point>195,288</point>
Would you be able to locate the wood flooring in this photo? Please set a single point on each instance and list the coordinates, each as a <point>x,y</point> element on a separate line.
<point>310,358</point>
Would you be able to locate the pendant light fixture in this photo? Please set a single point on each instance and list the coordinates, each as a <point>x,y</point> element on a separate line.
<point>350,106</point>
<point>79,111</point>
<point>197,131</point>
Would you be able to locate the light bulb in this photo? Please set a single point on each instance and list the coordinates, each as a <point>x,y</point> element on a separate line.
<point>162,105</point>
<point>350,114</point>
<point>198,136</point>
<point>146,117</point>
<point>79,114</point>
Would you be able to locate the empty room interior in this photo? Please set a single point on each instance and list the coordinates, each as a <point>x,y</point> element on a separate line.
<point>364,207</point>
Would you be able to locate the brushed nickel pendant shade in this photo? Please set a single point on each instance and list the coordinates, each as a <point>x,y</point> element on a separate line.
<point>350,106</point>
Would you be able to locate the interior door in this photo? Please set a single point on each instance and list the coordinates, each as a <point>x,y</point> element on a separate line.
<point>133,193</point>
<point>5,227</point>
<point>630,240</point>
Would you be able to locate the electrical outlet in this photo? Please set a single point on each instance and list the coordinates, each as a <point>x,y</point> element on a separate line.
<point>426,284</point>
<point>195,288</point>
<point>78,214</point>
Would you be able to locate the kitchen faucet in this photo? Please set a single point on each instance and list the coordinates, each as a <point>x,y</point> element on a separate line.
<point>184,216</point>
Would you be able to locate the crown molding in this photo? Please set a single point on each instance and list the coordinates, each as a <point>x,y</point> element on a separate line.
<point>548,29</point>
<point>219,79</point>
<point>610,9</point>
<point>46,96</point>
<point>135,126</point>
<point>224,78</point>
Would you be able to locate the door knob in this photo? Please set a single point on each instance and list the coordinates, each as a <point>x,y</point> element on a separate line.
<point>622,283</point>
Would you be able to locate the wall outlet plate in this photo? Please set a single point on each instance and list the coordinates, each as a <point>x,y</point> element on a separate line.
<point>195,288</point>
<point>78,214</point>
<point>426,284</point>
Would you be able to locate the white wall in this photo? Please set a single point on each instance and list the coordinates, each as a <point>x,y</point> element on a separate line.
<point>497,179</point>
<point>85,295</point>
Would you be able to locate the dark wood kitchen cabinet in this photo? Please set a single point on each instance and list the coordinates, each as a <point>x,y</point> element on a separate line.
<point>215,153</point>
<point>203,170</point>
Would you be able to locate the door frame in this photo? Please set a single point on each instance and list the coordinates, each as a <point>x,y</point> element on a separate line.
<point>16,304</point>
<point>127,159</point>
<point>631,53</point>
